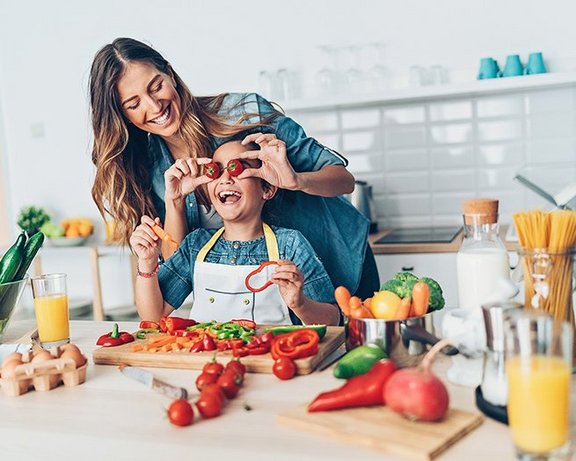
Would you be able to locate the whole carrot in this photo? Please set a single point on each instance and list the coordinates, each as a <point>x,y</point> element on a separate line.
<point>403,310</point>
<point>165,236</point>
<point>358,310</point>
<point>343,296</point>
<point>420,298</point>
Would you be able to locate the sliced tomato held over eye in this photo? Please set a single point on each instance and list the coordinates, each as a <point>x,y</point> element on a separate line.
<point>212,170</point>
<point>235,167</point>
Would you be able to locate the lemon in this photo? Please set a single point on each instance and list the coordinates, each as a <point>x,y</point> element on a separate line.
<point>385,304</point>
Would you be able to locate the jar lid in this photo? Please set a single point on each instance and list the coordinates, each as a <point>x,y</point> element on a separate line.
<point>481,211</point>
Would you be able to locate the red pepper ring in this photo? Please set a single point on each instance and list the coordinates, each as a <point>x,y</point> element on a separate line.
<point>256,271</point>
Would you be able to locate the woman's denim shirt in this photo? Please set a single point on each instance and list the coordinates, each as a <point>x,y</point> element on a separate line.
<point>176,276</point>
<point>337,231</point>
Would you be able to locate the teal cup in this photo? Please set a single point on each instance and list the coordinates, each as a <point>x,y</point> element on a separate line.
<point>513,66</point>
<point>535,64</point>
<point>488,69</point>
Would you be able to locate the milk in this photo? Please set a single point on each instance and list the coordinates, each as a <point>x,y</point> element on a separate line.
<point>480,273</point>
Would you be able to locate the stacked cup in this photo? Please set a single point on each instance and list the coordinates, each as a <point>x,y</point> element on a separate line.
<point>513,67</point>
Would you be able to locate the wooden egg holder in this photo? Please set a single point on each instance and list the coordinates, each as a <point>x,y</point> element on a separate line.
<point>43,376</point>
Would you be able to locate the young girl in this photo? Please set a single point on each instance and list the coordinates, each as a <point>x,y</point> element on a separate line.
<point>214,263</point>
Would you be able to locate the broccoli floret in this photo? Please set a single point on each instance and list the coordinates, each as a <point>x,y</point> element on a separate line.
<point>405,277</point>
<point>436,297</point>
<point>401,284</point>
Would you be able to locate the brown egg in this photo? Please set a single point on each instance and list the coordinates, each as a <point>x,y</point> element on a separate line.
<point>12,356</point>
<point>42,356</point>
<point>9,367</point>
<point>71,351</point>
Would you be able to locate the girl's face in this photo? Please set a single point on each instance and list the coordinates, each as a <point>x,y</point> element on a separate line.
<point>149,99</point>
<point>234,199</point>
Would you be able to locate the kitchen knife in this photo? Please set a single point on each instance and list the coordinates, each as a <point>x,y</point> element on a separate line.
<point>148,379</point>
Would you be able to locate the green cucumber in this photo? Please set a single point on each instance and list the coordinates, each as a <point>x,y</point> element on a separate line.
<point>12,259</point>
<point>320,329</point>
<point>358,361</point>
<point>33,244</point>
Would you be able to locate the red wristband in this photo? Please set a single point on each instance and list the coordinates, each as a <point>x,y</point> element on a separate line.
<point>148,275</point>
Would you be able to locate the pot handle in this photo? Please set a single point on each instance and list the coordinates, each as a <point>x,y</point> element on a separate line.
<point>420,334</point>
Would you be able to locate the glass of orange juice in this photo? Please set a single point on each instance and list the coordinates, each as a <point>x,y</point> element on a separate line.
<point>538,369</point>
<point>51,308</point>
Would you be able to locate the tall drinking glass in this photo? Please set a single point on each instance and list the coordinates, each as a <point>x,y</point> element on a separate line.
<point>51,307</point>
<point>538,368</point>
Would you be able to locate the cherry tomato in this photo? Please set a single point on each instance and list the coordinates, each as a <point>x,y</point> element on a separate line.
<point>213,390</point>
<point>204,379</point>
<point>235,167</point>
<point>212,170</point>
<point>181,413</point>
<point>213,367</point>
<point>230,383</point>
<point>209,406</point>
<point>237,366</point>
<point>284,368</point>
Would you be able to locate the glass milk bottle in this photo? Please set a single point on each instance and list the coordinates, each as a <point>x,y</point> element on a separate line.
<point>482,261</point>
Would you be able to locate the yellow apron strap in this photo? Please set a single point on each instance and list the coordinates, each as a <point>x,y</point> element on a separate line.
<point>269,237</point>
<point>206,248</point>
<point>271,243</point>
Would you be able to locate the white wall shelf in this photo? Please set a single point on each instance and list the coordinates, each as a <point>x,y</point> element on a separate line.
<point>430,93</point>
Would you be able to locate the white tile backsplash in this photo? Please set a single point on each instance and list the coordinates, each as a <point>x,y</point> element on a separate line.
<point>424,159</point>
<point>500,130</point>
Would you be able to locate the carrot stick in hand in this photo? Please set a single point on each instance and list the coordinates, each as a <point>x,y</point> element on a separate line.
<point>165,236</point>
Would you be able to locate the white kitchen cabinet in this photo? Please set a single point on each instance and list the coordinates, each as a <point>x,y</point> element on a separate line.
<point>439,266</point>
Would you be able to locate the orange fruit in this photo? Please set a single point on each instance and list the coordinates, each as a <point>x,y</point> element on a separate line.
<point>385,304</point>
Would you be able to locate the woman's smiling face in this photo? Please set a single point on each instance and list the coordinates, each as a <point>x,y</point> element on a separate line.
<point>237,199</point>
<point>149,99</point>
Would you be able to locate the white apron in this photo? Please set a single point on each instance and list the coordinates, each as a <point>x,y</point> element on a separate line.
<point>220,292</point>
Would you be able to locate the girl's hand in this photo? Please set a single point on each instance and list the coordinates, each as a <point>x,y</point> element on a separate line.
<point>146,244</point>
<point>184,176</point>
<point>276,168</point>
<point>290,281</point>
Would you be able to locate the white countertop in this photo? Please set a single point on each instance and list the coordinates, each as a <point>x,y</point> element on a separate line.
<point>110,417</point>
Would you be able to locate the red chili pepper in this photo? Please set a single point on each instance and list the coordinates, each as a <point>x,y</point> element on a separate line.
<point>172,324</point>
<point>359,391</point>
<point>256,271</point>
<point>235,167</point>
<point>212,170</point>
<point>115,338</point>
<point>296,344</point>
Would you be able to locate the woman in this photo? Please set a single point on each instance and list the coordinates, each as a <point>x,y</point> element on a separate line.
<point>149,131</point>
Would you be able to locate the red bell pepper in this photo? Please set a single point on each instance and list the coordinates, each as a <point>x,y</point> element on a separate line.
<point>359,391</point>
<point>296,344</point>
<point>171,324</point>
<point>208,343</point>
<point>148,325</point>
<point>115,338</point>
<point>260,268</point>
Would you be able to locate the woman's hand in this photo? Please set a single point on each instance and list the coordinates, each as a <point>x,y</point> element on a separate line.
<point>146,244</point>
<point>290,281</point>
<point>276,168</point>
<point>183,177</point>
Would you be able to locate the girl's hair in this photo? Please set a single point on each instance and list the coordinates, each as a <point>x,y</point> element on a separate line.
<point>122,186</point>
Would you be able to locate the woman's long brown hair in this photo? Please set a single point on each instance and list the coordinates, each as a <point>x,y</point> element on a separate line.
<point>122,186</point>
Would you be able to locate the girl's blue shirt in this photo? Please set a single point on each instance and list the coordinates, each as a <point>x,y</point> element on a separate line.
<point>335,229</point>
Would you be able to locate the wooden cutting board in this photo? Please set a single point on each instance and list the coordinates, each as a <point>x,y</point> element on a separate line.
<point>196,360</point>
<point>382,429</point>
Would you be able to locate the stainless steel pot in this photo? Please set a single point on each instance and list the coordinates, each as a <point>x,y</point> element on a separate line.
<point>403,340</point>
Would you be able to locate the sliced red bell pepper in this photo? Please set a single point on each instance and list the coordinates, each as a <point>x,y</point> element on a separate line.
<point>198,346</point>
<point>115,338</point>
<point>208,343</point>
<point>260,268</point>
<point>172,324</point>
<point>186,333</point>
<point>245,323</point>
<point>359,391</point>
<point>148,325</point>
<point>295,345</point>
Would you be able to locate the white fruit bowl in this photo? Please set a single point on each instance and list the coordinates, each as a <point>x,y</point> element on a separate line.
<point>67,241</point>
